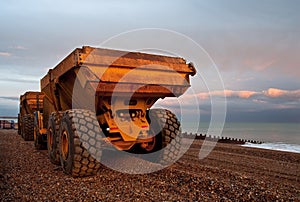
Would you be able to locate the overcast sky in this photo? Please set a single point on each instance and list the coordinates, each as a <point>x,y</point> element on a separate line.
<point>255,45</point>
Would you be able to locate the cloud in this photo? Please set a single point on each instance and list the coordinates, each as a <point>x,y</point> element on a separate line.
<point>243,100</point>
<point>18,47</point>
<point>241,94</point>
<point>19,80</point>
<point>260,64</point>
<point>245,94</point>
<point>259,101</point>
<point>10,98</point>
<point>5,54</point>
<point>279,93</point>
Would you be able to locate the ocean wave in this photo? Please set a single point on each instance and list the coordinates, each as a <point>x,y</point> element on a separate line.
<point>280,146</point>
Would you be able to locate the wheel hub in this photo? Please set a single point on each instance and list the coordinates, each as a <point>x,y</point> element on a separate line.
<point>149,146</point>
<point>65,145</point>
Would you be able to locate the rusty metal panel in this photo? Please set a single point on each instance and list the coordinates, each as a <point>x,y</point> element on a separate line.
<point>100,56</point>
<point>139,75</point>
<point>107,89</point>
<point>176,64</point>
<point>106,58</point>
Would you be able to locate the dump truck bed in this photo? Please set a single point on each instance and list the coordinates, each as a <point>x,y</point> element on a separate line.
<point>103,69</point>
<point>31,101</point>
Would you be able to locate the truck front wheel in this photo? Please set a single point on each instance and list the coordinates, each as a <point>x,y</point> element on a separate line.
<point>79,146</point>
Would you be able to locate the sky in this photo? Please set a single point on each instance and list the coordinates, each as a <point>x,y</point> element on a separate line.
<point>254,44</point>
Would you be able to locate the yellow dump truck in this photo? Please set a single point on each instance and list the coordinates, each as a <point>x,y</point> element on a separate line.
<point>29,103</point>
<point>96,97</point>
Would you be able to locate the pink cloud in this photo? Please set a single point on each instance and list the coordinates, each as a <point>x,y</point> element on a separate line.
<point>264,97</point>
<point>288,99</point>
<point>276,93</point>
<point>5,54</point>
<point>262,65</point>
<point>245,94</point>
<point>241,94</point>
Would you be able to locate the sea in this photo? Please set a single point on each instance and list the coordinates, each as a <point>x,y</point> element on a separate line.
<point>275,136</point>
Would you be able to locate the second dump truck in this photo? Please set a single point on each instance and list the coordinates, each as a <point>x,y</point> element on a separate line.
<point>30,102</point>
<point>96,97</point>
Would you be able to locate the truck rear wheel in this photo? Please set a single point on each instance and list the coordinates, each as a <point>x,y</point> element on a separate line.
<point>165,125</point>
<point>53,137</point>
<point>27,127</point>
<point>78,143</point>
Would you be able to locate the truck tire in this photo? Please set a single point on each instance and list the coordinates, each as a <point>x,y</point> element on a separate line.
<point>53,137</point>
<point>167,128</point>
<point>38,140</point>
<point>79,146</point>
<point>28,127</point>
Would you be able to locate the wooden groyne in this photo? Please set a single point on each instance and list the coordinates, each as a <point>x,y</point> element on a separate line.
<point>229,140</point>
